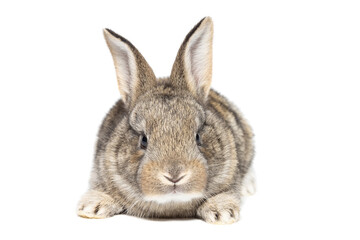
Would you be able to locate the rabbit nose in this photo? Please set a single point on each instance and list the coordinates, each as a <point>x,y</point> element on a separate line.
<point>174,180</point>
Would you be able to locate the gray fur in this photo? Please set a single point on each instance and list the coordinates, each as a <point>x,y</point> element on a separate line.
<point>170,113</point>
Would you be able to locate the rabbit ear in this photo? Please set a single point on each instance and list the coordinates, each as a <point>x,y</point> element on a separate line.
<point>133,73</point>
<point>193,65</point>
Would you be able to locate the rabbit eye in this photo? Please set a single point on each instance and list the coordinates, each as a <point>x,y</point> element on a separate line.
<point>144,142</point>
<point>198,141</point>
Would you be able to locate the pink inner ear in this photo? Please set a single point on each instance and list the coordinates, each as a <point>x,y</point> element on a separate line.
<point>197,60</point>
<point>124,60</point>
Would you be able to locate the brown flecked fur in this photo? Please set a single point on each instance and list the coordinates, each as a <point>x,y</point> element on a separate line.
<point>209,176</point>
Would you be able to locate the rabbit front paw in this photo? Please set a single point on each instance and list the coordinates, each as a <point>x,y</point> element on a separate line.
<point>95,204</point>
<point>220,209</point>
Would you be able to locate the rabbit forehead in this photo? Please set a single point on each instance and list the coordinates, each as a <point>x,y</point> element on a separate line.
<point>164,112</point>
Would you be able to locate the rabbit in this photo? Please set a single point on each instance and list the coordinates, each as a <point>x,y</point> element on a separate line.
<point>170,147</point>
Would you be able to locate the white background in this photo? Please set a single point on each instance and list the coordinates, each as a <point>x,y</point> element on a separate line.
<point>291,66</point>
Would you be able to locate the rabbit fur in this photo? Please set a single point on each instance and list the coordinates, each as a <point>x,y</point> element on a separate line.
<point>170,147</point>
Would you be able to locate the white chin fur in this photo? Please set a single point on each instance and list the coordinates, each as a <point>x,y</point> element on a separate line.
<point>173,197</point>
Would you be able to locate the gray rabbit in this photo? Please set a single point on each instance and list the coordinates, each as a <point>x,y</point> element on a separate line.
<point>170,147</point>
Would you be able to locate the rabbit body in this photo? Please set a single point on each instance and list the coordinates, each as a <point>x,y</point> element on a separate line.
<point>171,147</point>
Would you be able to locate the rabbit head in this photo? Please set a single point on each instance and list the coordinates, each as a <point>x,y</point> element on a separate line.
<point>166,116</point>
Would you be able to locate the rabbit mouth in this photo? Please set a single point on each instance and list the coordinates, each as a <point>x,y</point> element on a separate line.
<point>181,182</point>
<point>174,196</point>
